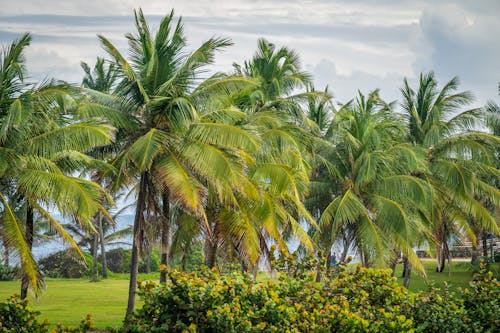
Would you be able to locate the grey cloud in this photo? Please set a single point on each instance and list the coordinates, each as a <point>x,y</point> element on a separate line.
<point>456,41</point>
<point>345,87</point>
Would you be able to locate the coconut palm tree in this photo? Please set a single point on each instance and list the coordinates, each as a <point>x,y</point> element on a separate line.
<point>101,79</point>
<point>272,110</point>
<point>458,157</point>
<point>42,143</point>
<point>370,172</point>
<point>162,89</point>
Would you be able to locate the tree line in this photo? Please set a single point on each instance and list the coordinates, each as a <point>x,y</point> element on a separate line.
<point>243,160</point>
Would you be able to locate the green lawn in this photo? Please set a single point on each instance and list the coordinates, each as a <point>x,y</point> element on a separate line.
<point>459,275</point>
<point>69,300</point>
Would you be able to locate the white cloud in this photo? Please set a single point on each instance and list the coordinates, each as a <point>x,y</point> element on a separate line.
<point>370,42</point>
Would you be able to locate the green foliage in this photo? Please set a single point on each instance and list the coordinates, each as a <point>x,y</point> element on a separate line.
<point>118,261</point>
<point>7,273</point>
<point>482,301</point>
<point>85,325</point>
<point>65,264</point>
<point>355,299</point>
<point>435,311</point>
<point>193,260</point>
<point>17,317</point>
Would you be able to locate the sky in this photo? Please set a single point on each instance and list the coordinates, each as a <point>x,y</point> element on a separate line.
<point>347,45</point>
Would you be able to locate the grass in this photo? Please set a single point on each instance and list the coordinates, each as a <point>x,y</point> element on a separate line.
<point>69,300</point>
<point>457,276</point>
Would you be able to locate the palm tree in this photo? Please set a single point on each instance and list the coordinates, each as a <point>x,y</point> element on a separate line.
<point>41,145</point>
<point>457,156</point>
<point>278,171</point>
<point>164,157</point>
<point>103,79</point>
<point>370,172</point>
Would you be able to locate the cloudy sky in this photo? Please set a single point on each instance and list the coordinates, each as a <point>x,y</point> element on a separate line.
<point>346,44</point>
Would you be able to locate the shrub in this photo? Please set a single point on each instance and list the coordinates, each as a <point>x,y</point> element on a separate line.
<point>482,301</point>
<point>17,317</point>
<point>65,264</point>
<point>86,324</point>
<point>118,261</point>
<point>354,299</point>
<point>7,273</point>
<point>209,302</point>
<point>435,310</point>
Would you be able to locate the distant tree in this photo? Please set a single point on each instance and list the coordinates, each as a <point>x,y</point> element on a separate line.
<point>458,157</point>
<point>42,143</point>
<point>372,194</point>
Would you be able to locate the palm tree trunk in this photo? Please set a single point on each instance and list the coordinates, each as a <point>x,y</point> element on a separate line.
<point>484,237</point>
<point>328,259</point>
<point>103,248</point>
<point>211,245</point>
<point>185,253</point>
<point>347,244</point>
<point>6,256</point>
<point>95,270</point>
<point>440,258</point>
<point>30,221</point>
<point>149,253</point>
<point>474,260</point>
<point>440,249</point>
<point>406,272</point>
<point>318,267</point>
<point>138,221</point>
<point>394,261</point>
<point>165,231</point>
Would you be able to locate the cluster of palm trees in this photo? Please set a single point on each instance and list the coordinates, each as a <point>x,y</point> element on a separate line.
<point>242,160</point>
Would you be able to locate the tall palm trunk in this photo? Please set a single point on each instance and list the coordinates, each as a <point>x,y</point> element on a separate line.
<point>147,257</point>
<point>95,247</point>
<point>30,221</point>
<point>441,248</point>
<point>185,254</point>
<point>319,265</point>
<point>406,272</point>
<point>211,242</point>
<point>6,256</point>
<point>394,261</point>
<point>103,248</point>
<point>165,230</point>
<point>211,246</point>
<point>475,249</point>
<point>346,242</point>
<point>484,237</point>
<point>138,222</point>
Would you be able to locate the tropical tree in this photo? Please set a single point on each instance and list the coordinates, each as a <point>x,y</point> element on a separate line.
<point>272,110</point>
<point>458,157</point>
<point>42,143</point>
<point>101,79</point>
<point>372,194</point>
<point>171,148</point>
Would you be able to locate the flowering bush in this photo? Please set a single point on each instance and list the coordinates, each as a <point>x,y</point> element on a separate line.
<point>17,317</point>
<point>482,301</point>
<point>356,299</point>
